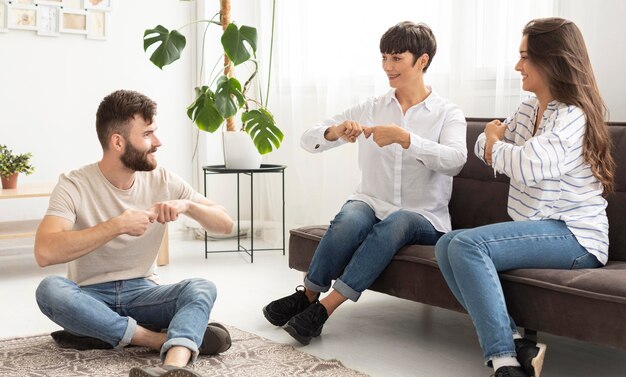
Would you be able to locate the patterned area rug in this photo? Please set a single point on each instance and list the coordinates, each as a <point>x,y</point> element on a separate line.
<point>250,355</point>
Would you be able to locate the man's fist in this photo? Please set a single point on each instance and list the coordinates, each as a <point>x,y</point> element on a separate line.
<point>169,210</point>
<point>134,222</point>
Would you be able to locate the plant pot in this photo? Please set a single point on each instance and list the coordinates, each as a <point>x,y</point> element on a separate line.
<point>240,152</point>
<point>10,182</point>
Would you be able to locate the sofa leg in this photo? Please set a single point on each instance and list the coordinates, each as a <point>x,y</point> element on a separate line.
<point>530,334</point>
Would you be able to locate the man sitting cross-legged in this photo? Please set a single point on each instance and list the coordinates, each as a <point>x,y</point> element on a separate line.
<point>106,221</point>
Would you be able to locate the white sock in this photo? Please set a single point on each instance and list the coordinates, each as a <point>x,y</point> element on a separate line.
<point>504,361</point>
<point>517,336</point>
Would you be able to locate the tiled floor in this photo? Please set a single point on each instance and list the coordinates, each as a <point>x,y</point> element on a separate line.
<point>380,335</point>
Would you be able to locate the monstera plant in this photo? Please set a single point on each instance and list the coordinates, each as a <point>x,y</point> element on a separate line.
<point>219,103</point>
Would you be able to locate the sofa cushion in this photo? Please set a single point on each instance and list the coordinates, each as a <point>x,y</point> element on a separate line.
<point>606,283</point>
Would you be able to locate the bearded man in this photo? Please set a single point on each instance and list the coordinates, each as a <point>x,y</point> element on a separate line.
<point>106,221</point>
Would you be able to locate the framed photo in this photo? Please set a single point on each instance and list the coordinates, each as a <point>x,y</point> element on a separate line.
<point>73,21</point>
<point>72,4</point>
<point>3,17</point>
<point>97,25</point>
<point>22,17</point>
<point>57,3</point>
<point>98,4</point>
<point>48,20</point>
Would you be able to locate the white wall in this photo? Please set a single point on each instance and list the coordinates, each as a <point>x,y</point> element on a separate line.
<point>603,27</point>
<point>50,88</point>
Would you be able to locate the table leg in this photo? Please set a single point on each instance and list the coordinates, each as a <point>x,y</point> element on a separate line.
<point>283,177</point>
<point>251,217</point>
<point>163,258</point>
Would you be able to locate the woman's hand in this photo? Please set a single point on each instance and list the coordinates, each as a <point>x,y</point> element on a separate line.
<point>494,131</point>
<point>348,130</point>
<point>387,134</point>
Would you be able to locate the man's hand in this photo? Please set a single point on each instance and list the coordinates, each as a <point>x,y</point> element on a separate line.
<point>494,131</point>
<point>388,134</point>
<point>348,130</point>
<point>134,222</point>
<point>169,210</point>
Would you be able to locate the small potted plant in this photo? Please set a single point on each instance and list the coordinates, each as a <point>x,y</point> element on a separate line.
<point>11,165</point>
<point>214,106</point>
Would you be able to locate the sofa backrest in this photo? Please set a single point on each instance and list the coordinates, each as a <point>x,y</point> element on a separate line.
<point>479,199</point>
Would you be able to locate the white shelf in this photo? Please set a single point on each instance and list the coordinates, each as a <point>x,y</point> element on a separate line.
<point>18,229</point>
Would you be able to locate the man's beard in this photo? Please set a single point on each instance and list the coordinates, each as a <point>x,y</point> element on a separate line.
<point>137,160</point>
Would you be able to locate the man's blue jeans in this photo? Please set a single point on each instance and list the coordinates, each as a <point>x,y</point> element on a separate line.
<point>110,311</point>
<point>357,247</point>
<point>470,260</point>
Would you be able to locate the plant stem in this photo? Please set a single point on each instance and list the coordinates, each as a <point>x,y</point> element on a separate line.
<point>269,69</point>
<point>199,21</point>
<point>247,83</point>
<point>206,29</point>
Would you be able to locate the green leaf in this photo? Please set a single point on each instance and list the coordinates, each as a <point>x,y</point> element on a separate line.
<point>228,91</point>
<point>233,43</point>
<point>11,163</point>
<point>171,45</point>
<point>203,111</point>
<point>260,125</point>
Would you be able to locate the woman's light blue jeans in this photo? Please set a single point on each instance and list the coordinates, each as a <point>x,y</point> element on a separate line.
<point>110,311</point>
<point>357,247</point>
<point>470,260</point>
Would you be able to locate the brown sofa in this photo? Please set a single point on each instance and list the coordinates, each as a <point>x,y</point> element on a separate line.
<point>588,305</point>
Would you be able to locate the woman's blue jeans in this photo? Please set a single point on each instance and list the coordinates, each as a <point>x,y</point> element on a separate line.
<point>110,311</point>
<point>470,260</point>
<point>357,247</point>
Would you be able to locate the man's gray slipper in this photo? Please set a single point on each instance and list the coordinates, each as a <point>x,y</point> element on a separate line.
<point>66,339</point>
<point>164,371</point>
<point>216,339</point>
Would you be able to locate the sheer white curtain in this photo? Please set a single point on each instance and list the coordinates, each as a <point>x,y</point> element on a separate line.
<point>326,58</point>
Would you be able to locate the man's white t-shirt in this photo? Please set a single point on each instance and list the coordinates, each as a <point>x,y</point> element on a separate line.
<point>86,198</point>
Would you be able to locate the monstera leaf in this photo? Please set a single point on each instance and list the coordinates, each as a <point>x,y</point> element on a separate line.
<point>228,91</point>
<point>260,125</point>
<point>233,42</point>
<point>211,107</point>
<point>171,45</point>
<point>203,111</point>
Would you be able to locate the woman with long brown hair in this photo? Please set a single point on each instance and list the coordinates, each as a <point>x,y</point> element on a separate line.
<point>556,151</point>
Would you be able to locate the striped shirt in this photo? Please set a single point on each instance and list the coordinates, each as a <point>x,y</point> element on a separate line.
<point>549,176</point>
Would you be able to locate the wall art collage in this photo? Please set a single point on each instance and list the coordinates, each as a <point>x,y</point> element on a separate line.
<point>56,17</point>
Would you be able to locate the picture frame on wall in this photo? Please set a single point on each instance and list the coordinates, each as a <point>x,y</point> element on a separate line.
<point>97,25</point>
<point>98,4</point>
<point>57,3</point>
<point>48,20</point>
<point>3,17</point>
<point>72,4</point>
<point>22,17</point>
<point>73,21</point>
<point>54,17</point>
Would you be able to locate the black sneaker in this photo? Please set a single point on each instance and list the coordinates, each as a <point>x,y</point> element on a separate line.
<point>278,312</point>
<point>308,324</point>
<point>530,355</point>
<point>509,371</point>
<point>216,340</point>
